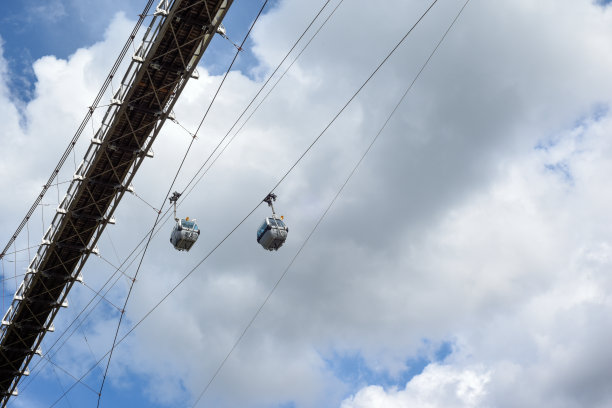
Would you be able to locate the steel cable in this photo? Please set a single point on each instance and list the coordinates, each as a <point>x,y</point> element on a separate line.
<point>81,127</point>
<point>254,209</point>
<point>326,211</point>
<point>168,193</point>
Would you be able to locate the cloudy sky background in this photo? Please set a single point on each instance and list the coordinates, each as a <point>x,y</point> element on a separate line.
<point>466,263</point>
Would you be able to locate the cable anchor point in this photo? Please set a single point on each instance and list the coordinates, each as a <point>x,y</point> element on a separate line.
<point>222,32</point>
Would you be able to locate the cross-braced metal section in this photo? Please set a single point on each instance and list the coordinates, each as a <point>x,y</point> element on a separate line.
<point>171,48</point>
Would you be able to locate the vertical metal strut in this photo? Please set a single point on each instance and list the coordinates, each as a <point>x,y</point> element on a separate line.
<point>173,200</point>
<point>269,199</point>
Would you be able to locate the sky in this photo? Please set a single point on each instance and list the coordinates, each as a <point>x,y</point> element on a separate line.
<point>467,262</point>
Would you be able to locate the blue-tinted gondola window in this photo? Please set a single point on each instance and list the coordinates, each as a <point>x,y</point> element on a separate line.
<point>187,224</point>
<point>262,229</point>
<point>280,223</point>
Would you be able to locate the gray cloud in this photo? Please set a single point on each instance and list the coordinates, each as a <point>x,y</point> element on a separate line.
<point>458,226</point>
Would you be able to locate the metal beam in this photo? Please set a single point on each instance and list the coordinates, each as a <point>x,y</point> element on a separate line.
<point>172,46</point>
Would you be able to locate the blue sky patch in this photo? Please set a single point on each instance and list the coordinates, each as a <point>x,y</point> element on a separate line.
<point>445,350</point>
<point>597,112</point>
<point>545,144</point>
<point>133,390</point>
<point>31,29</point>
<point>352,368</point>
<point>561,169</point>
<point>600,110</point>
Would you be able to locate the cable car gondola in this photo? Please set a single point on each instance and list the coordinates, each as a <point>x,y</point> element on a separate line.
<point>185,232</point>
<point>272,233</point>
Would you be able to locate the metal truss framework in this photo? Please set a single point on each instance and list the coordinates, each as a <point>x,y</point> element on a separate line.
<point>173,44</point>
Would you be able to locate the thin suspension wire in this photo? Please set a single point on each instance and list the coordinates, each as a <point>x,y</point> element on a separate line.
<point>146,202</point>
<point>159,303</point>
<point>36,246</point>
<point>75,320</point>
<point>265,96</point>
<point>259,92</point>
<point>87,342</point>
<point>194,135</point>
<point>22,250</point>
<point>43,361</point>
<point>327,209</point>
<point>61,386</point>
<point>10,277</point>
<point>108,236</point>
<point>228,70</point>
<point>166,197</point>
<point>102,296</point>
<point>83,333</point>
<point>185,194</point>
<point>97,295</point>
<point>13,261</point>
<point>159,228</point>
<point>355,94</point>
<point>133,279</point>
<point>165,215</point>
<point>79,380</point>
<point>280,64</point>
<point>117,270</point>
<point>244,219</point>
<point>74,140</point>
<point>184,128</point>
<point>79,131</point>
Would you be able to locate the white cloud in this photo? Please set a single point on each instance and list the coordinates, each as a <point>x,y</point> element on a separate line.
<point>437,386</point>
<point>481,217</point>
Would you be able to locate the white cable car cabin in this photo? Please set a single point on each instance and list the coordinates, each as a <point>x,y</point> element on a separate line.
<point>184,234</point>
<point>272,233</point>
